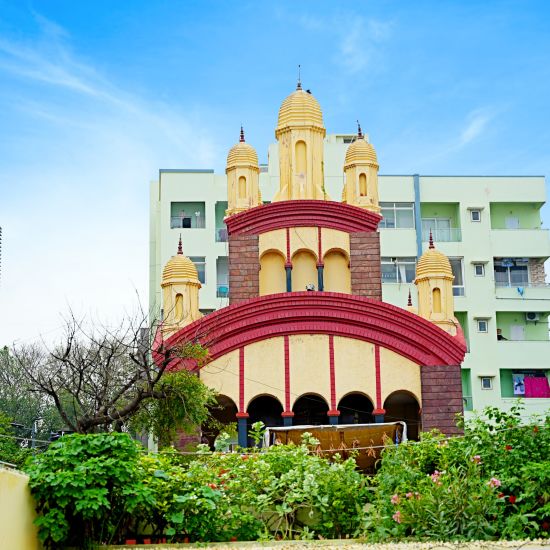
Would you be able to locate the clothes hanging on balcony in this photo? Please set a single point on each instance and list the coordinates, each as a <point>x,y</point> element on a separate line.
<point>536,386</point>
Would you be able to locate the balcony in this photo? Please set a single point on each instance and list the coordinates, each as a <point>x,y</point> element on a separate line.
<point>187,215</point>
<point>529,354</point>
<point>221,235</point>
<point>522,297</point>
<point>444,235</point>
<point>521,243</point>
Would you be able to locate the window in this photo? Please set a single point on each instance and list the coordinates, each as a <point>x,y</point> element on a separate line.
<point>528,383</point>
<point>187,215</point>
<point>200,264</point>
<point>398,270</point>
<point>479,270</point>
<point>511,271</point>
<point>482,325</point>
<point>458,272</point>
<point>475,215</point>
<point>397,215</point>
<point>440,228</point>
<point>486,383</point>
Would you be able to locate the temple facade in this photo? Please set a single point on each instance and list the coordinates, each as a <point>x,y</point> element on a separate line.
<point>306,337</point>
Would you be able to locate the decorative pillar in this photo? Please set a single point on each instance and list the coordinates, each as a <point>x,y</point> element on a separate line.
<point>378,412</point>
<point>333,413</point>
<point>287,418</point>
<point>320,282</point>
<point>242,419</point>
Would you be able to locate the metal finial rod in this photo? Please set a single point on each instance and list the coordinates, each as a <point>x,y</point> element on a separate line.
<point>359,131</point>
<point>299,85</point>
<point>431,240</point>
<point>409,301</point>
<point>180,247</point>
<point>242,134</point>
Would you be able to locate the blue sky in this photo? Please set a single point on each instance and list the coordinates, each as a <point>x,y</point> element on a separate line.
<point>96,96</point>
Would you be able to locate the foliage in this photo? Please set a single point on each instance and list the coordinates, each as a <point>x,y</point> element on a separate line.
<point>30,411</point>
<point>101,379</point>
<point>492,483</point>
<point>496,446</point>
<point>11,451</point>
<point>88,489</point>
<point>184,406</point>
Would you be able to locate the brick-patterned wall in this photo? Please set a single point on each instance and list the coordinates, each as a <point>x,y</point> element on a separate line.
<point>366,276</point>
<point>536,272</point>
<point>441,398</point>
<point>244,267</point>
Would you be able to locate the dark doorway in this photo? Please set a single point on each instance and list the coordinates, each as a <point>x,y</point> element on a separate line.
<point>401,405</point>
<point>310,409</point>
<point>266,409</point>
<point>224,413</point>
<point>355,408</point>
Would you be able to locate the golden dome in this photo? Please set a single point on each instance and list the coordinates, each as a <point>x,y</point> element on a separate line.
<point>433,262</point>
<point>242,154</point>
<point>300,108</point>
<point>360,151</point>
<point>179,267</point>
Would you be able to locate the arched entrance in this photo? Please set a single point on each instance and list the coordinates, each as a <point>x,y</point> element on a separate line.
<point>355,408</point>
<point>310,409</point>
<point>264,408</point>
<point>401,405</point>
<point>224,413</point>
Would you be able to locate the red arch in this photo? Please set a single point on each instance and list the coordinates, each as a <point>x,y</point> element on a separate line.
<point>302,213</point>
<point>333,313</point>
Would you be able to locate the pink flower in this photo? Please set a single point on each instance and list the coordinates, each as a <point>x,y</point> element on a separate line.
<point>394,499</point>
<point>476,459</point>
<point>494,482</point>
<point>397,516</point>
<point>435,477</point>
<point>409,495</point>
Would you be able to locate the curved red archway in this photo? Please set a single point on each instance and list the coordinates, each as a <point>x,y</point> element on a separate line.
<point>330,313</point>
<point>302,213</point>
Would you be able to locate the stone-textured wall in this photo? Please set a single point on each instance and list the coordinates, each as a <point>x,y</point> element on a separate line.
<point>366,276</point>
<point>441,398</point>
<point>244,268</point>
<point>536,272</point>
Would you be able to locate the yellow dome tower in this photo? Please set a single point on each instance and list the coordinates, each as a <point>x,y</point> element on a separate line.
<point>434,279</point>
<point>300,133</point>
<point>180,293</point>
<point>361,170</point>
<point>243,191</point>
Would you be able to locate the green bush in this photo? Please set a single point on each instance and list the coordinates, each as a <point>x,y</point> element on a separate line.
<point>87,489</point>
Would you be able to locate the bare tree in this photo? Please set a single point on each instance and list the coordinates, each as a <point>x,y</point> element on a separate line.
<point>102,379</point>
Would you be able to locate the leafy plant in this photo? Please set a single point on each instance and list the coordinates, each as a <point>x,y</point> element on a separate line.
<point>87,489</point>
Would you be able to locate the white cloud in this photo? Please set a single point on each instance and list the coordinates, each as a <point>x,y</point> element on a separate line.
<point>475,126</point>
<point>360,41</point>
<point>74,209</point>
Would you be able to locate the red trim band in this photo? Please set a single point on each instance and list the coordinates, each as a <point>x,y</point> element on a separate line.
<point>302,213</point>
<point>241,379</point>
<point>378,381</point>
<point>328,313</point>
<point>287,374</point>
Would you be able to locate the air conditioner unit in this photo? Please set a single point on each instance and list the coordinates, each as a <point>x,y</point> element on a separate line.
<point>532,316</point>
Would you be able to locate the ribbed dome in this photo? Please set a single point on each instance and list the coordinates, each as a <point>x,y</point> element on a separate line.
<point>242,154</point>
<point>360,151</point>
<point>433,262</point>
<point>300,108</point>
<point>179,267</point>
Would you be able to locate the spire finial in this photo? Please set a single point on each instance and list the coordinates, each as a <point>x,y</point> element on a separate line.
<point>431,240</point>
<point>409,301</point>
<point>299,85</point>
<point>180,247</point>
<point>359,131</point>
<point>242,134</point>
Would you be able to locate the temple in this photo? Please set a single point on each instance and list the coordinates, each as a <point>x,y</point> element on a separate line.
<point>306,338</point>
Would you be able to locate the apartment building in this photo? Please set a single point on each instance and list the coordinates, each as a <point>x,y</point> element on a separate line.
<point>488,226</point>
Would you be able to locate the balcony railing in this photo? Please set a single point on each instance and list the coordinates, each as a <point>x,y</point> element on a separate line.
<point>222,290</point>
<point>221,234</point>
<point>187,222</point>
<point>448,235</point>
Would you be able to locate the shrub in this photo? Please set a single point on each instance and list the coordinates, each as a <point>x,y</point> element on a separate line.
<point>86,488</point>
